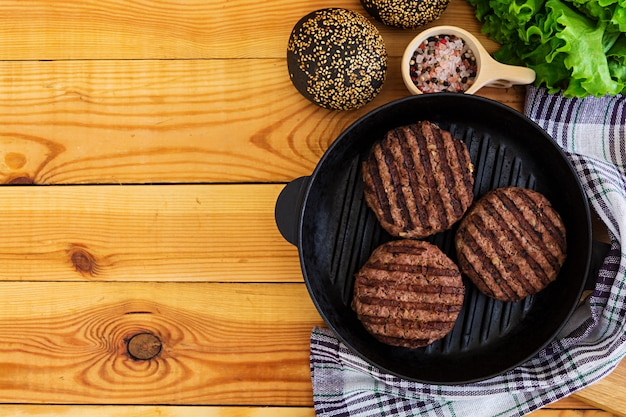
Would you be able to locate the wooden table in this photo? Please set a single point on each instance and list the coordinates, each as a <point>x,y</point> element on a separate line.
<point>148,141</point>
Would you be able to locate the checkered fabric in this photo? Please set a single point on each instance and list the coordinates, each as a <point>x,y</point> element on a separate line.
<point>592,131</point>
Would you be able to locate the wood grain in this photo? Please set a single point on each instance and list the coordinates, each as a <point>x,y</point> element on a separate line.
<point>173,29</point>
<point>570,413</point>
<point>77,122</point>
<point>208,411</point>
<point>610,393</point>
<point>156,121</point>
<point>160,411</point>
<point>222,343</point>
<point>144,233</point>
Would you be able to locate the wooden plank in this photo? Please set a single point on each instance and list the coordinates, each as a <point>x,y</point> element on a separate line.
<point>161,411</point>
<point>609,393</point>
<point>207,411</point>
<point>156,121</point>
<point>166,29</point>
<point>144,233</point>
<point>571,403</point>
<point>66,343</point>
<point>76,122</point>
<point>570,413</point>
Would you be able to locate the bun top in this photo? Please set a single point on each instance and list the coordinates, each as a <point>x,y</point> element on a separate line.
<point>406,14</point>
<point>337,58</point>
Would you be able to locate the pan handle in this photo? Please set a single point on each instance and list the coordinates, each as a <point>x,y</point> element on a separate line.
<point>288,208</point>
<point>599,251</point>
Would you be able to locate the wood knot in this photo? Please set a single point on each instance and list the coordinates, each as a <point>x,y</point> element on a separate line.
<point>144,346</point>
<point>20,180</point>
<point>83,261</point>
<point>15,160</point>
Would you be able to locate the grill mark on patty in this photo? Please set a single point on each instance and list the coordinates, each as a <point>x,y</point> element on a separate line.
<point>414,310</point>
<point>425,180</point>
<point>480,265</point>
<point>397,206</point>
<point>536,246</point>
<point>395,330</point>
<point>435,200</point>
<point>413,169</point>
<point>545,222</point>
<point>412,269</point>
<point>431,285</point>
<point>466,170</point>
<point>498,255</point>
<point>414,316</point>
<point>422,325</point>
<point>448,188</point>
<point>412,293</point>
<point>405,220</point>
<point>377,186</point>
<point>395,326</point>
<point>401,290</point>
<point>405,247</point>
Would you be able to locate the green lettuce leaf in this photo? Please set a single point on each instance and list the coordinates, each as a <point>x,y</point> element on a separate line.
<point>585,52</point>
<point>616,56</point>
<point>577,47</point>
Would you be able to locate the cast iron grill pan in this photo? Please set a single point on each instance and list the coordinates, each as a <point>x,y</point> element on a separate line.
<point>336,233</point>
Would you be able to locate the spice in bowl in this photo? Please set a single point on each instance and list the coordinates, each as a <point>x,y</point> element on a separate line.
<point>443,63</point>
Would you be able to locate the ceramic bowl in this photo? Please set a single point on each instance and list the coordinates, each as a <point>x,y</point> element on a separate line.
<point>489,71</point>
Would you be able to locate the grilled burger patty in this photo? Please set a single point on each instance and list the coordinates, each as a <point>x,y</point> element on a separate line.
<point>408,293</point>
<point>511,244</point>
<point>418,180</point>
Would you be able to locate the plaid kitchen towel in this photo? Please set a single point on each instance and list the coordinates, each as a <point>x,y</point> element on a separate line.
<point>592,131</point>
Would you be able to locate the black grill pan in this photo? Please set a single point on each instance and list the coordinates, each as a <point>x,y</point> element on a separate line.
<point>326,217</point>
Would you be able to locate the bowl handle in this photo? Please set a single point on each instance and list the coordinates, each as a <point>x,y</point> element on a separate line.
<point>289,207</point>
<point>504,76</point>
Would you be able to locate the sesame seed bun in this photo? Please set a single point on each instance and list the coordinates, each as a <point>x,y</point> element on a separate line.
<point>406,14</point>
<point>337,59</point>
